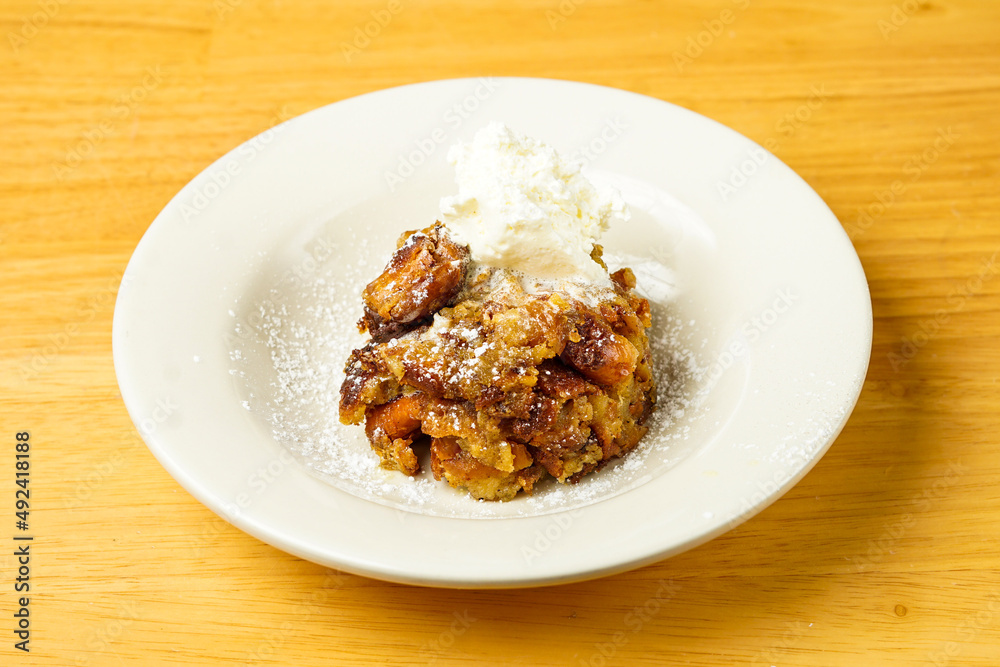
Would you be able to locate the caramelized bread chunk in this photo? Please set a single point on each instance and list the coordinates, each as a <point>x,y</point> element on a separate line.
<point>423,275</point>
<point>604,356</point>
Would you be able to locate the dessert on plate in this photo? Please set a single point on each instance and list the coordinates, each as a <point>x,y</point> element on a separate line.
<point>499,341</point>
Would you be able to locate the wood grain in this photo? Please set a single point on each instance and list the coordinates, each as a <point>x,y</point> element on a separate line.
<point>885,554</point>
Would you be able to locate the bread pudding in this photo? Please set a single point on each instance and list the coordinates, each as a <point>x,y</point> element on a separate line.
<point>505,377</point>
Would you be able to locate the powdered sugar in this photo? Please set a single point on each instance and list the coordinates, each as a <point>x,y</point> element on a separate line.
<point>290,346</point>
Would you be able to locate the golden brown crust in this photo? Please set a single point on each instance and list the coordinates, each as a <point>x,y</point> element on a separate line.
<point>398,418</point>
<point>422,276</point>
<point>558,381</point>
<point>606,357</point>
<point>367,382</point>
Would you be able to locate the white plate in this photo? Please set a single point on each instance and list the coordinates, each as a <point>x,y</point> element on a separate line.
<point>247,270</point>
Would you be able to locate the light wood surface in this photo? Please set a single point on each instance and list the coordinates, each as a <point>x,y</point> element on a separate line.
<point>885,554</point>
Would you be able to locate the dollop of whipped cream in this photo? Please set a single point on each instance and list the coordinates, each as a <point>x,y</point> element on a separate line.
<point>521,206</point>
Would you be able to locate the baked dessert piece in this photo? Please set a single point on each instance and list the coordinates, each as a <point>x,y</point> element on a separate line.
<point>505,378</point>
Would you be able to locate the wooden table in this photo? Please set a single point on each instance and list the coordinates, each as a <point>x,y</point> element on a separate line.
<point>886,553</point>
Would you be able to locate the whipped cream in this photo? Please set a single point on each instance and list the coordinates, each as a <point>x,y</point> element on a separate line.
<point>521,206</point>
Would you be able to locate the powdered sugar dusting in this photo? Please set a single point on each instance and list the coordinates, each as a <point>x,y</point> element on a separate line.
<point>291,342</point>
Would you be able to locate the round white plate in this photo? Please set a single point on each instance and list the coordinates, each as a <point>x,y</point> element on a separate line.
<point>237,308</point>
